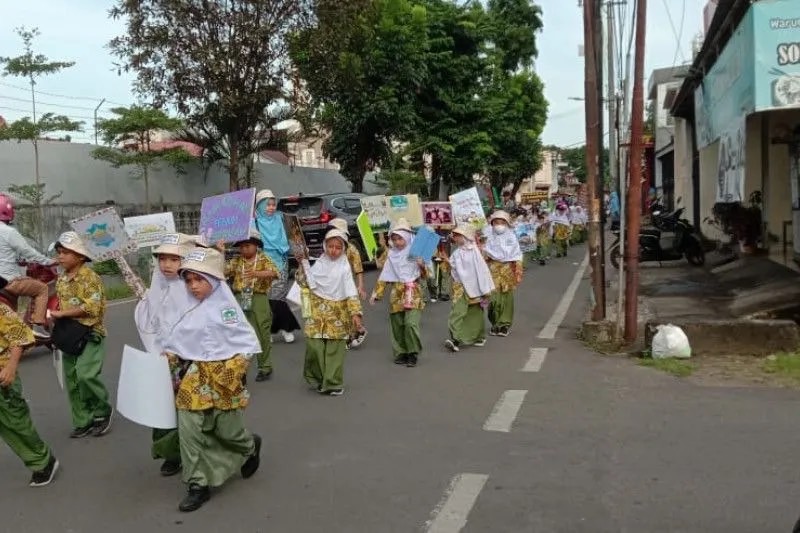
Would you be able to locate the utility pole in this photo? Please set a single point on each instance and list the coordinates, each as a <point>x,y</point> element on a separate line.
<point>634,199</point>
<point>96,109</point>
<point>612,94</point>
<point>593,151</point>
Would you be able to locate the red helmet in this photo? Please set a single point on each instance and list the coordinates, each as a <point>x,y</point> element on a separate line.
<point>6,209</point>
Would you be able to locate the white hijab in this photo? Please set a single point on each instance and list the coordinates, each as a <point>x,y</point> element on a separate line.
<point>399,267</point>
<point>470,269</point>
<point>503,247</point>
<point>332,279</point>
<point>163,305</point>
<point>214,329</point>
<point>560,218</point>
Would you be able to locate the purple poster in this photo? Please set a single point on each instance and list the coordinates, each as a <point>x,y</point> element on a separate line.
<point>228,216</point>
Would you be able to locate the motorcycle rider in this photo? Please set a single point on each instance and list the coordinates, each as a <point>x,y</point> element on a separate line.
<point>13,248</point>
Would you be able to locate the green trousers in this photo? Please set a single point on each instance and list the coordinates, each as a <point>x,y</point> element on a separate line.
<point>324,363</point>
<point>214,445</point>
<point>88,397</point>
<point>16,428</point>
<point>260,317</point>
<point>166,445</point>
<point>543,250</point>
<point>405,332</point>
<point>466,322</point>
<point>561,246</point>
<point>501,309</point>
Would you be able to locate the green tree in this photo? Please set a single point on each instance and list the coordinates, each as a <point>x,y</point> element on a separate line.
<point>575,158</point>
<point>32,66</point>
<point>361,64</point>
<point>130,139</point>
<point>218,63</point>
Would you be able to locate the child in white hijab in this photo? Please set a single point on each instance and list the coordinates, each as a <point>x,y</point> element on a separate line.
<point>404,276</point>
<point>472,285</point>
<point>562,229</point>
<point>504,258</point>
<point>210,348</point>
<point>333,310</point>
<point>163,305</point>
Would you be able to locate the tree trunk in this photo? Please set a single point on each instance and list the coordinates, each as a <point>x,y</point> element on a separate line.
<point>233,168</point>
<point>357,182</point>
<point>146,177</point>
<point>436,177</point>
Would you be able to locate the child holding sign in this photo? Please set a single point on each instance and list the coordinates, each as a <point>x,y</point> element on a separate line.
<point>79,333</point>
<point>251,275</point>
<point>404,278</point>
<point>358,336</point>
<point>156,314</point>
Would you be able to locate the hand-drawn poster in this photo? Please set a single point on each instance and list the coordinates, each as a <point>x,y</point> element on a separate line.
<point>377,212</point>
<point>148,230</point>
<point>468,209</point>
<point>104,234</point>
<point>227,217</point>
<point>438,214</point>
<point>405,206</point>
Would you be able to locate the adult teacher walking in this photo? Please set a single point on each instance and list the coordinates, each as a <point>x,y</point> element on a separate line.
<point>269,223</point>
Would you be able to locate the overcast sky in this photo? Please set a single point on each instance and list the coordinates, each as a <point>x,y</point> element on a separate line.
<point>80,32</point>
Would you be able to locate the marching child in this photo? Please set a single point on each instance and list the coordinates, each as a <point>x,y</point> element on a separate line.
<point>251,275</point>
<point>472,286</point>
<point>505,263</point>
<point>544,239</point>
<point>162,307</point>
<point>16,426</point>
<point>404,278</point>
<point>330,306</point>
<point>209,351</point>
<point>358,336</point>
<point>562,229</point>
<point>79,321</point>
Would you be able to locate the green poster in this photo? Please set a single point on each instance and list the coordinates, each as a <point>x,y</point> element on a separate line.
<point>367,237</point>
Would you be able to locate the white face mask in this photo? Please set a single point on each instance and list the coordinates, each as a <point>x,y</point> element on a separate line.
<point>500,229</point>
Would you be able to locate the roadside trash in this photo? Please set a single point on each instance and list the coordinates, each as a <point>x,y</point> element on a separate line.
<point>670,341</point>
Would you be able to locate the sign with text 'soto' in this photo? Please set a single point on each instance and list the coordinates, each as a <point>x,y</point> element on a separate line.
<point>227,217</point>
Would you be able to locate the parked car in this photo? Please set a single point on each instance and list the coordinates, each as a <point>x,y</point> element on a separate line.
<point>315,211</point>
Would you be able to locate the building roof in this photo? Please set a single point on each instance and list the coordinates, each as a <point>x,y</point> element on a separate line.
<point>728,15</point>
<point>275,156</point>
<point>660,76</point>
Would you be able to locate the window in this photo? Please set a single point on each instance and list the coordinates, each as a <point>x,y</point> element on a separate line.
<point>352,205</point>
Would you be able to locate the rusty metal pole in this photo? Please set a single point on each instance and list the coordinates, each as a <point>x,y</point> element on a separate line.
<point>634,199</point>
<point>590,55</point>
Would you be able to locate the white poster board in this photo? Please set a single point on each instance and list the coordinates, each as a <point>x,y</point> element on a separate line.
<point>145,395</point>
<point>468,208</point>
<point>377,211</point>
<point>104,234</point>
<point>148,230</point>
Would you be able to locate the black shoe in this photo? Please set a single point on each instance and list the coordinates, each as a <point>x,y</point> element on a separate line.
<point>503,331</point>
<point>452,345</point>
<point>542,262</point>
<point>335,392</point>
<point>251,465</point>
<point>170,468</point>
<point>102,425</point>
<point>412,361</point>
<point>444,298</point>
<point>195,499</point>
<point>264,375</point>
<point>493,331</point>
<point>79,433</point>
<point>44,476</point>
<point>401,360</point>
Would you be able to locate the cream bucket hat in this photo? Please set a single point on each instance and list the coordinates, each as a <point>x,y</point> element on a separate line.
<point>70,240</point>
<point>175,244</point>
<point>205,261</point>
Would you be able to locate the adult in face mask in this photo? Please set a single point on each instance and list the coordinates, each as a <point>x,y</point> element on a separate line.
<point>504,258</point>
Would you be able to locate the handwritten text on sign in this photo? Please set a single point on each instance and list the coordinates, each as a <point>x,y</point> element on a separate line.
<point>227,217</point>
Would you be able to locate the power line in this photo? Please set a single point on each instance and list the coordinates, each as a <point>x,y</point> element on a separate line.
<point>66,96</point>
<point>28,112</point>
<point>674,31</point>
<point>65,106</point>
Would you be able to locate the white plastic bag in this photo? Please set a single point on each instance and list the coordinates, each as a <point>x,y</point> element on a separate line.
<point>670,341</point>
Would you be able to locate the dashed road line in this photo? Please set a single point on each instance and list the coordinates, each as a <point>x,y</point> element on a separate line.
<point>536,360</point>
<point>549,329</point>
<point>450,516</point>
<point>505,411</point>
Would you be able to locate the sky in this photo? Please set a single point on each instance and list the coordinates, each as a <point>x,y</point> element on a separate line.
<point>81,33</point>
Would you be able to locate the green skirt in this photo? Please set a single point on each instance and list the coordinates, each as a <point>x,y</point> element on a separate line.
<point>467,324</point>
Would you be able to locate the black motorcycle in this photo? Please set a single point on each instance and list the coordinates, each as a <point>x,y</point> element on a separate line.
<point>685,242</point>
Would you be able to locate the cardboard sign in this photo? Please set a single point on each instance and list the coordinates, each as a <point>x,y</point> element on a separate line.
<point>405,206</point>
<point>294,234</point>
<point>104,234</point>
<point>227,217</point>
<point>367,237</point>
<point>377,212</point>
<point>425,243</point>
<point>526,235</point>
<point>468,208</point>
<point>438,214</point>
<point>148,230</point>
<point>534,198</point>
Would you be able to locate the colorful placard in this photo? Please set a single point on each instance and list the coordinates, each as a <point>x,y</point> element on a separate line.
<point>405,206</point>
<point>425,243</point>
<point>294,234</point>
<point>468,208</point>
<point>367,237</point>
<point>438,215</point>
<point>148,230</point>
<point>526,235</point>
<point>377,212</point>
<point>227,217</point>
<point>103,233</point>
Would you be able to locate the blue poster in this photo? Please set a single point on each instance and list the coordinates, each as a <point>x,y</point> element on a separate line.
<point>777,53</point>
<point>425,243</point>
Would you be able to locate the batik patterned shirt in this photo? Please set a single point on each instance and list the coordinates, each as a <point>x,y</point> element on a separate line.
<point>236,268</point>
<point>504,274</point>
<point>211,384</point>
<point>354,258</point>
<point>84,290</point>
<point>13,333</point>
<point>329,319</point>
<point>397,295</point>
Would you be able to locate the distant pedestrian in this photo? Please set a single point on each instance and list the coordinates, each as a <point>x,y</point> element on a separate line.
<point>504,258</point>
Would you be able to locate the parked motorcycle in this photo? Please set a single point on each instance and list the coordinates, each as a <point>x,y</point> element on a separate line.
<point>684,243</point>
<point>47,275</point>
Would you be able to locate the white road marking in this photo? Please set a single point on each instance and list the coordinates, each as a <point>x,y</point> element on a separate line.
<point>536,360</point>
<point>115,303</point>
<point>549,329</point>
<point>450,516</point>
<point>505,411</point>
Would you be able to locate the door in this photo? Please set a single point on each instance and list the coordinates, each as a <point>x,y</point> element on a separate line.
<point>794,178</point>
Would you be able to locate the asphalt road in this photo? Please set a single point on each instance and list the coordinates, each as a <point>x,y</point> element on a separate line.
<point>597,444</point>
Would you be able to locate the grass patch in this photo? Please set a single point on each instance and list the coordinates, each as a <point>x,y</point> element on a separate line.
<point>677,367</point>
<point>118,292</point>
<point>784,364</point>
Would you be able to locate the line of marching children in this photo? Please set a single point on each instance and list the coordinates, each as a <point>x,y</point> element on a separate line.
<point>545,235</point>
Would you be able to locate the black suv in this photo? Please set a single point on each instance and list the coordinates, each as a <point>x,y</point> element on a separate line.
<point>315,211</point>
